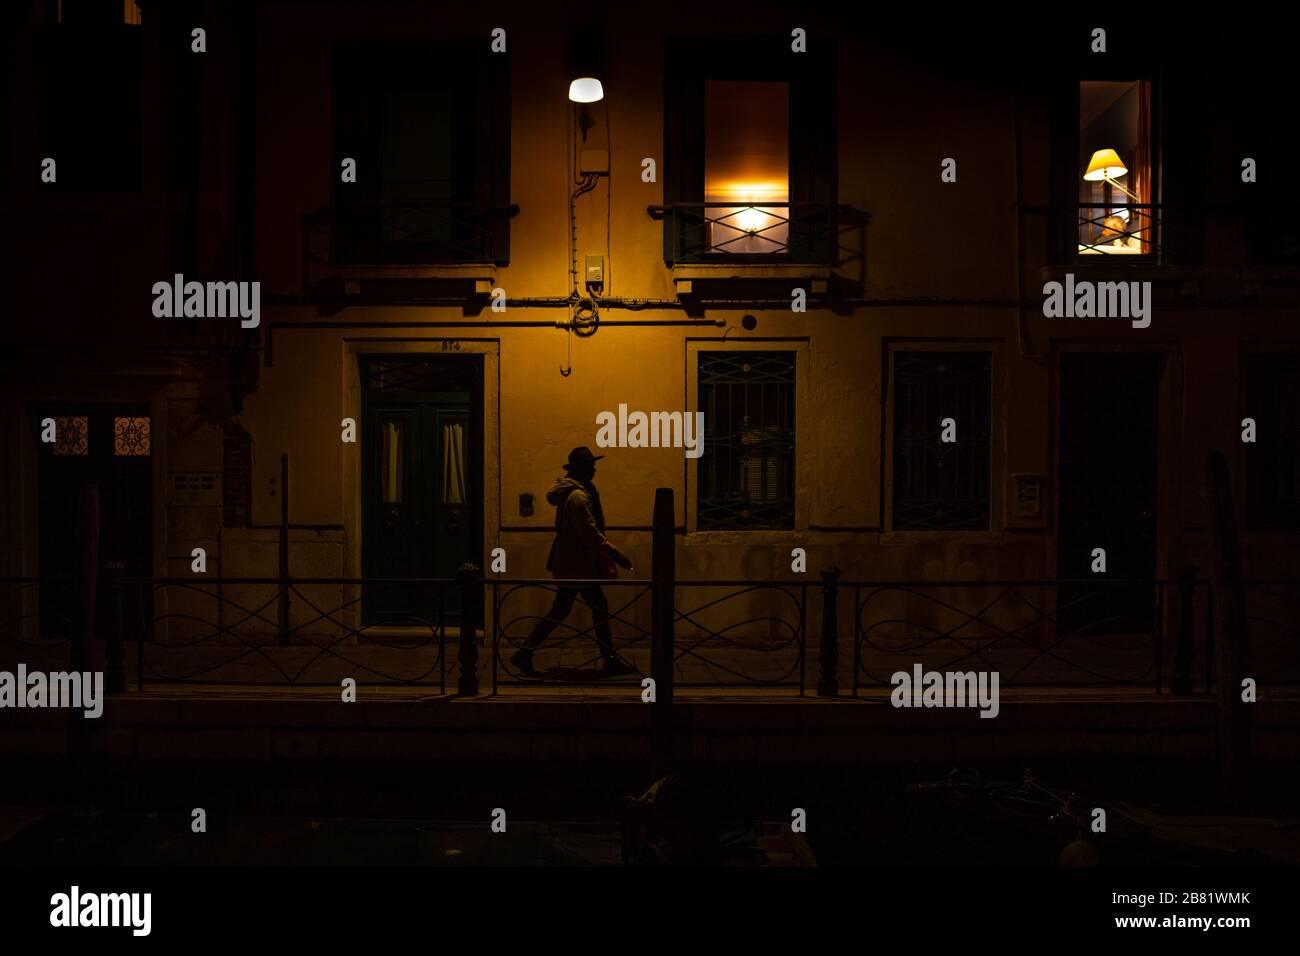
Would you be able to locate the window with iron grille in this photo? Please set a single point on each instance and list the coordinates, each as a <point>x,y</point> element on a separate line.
<point>746,474</point>
<point>1273,459</point>
<point>940,486</point>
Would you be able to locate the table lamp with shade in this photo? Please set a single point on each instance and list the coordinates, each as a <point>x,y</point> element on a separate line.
<point>1106,166</point>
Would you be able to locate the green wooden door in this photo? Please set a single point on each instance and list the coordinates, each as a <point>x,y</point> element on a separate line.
<point>421,498</point>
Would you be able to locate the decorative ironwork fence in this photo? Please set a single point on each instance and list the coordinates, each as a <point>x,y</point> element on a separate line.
<point>1273,623</point>
<point>741,634</point>
<point>299,631</point>
<point>730,634</point>
<point>1037,633</point>
<point>721,634</point>
<point>31,617</point>
<point>571,652</point>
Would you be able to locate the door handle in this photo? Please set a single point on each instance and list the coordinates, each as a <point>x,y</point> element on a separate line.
<point>393,518</point>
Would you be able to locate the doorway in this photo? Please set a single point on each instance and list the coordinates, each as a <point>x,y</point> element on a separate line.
<point>110,447</point>
<point>421,483</point>
<point>1109,441</point>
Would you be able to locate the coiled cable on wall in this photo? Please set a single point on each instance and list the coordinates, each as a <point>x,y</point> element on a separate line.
<point>586,317</point>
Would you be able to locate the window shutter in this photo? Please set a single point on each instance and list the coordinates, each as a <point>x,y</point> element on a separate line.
<point>814,153</point>
<point>682,167</point>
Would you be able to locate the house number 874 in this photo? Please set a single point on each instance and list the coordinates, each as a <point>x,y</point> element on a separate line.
<point>450,345</point>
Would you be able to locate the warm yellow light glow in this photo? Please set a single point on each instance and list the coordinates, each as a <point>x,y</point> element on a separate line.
<point>750,192</point>
<point>751,219</point>
<point>750,226</point>
<point>586,89</point>
<point>1105,164</point>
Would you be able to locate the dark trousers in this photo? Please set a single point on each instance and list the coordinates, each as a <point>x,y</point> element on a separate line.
<point>560,608</point>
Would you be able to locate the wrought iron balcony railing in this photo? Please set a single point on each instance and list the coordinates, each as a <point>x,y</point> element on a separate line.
<point>762,232</point>
<point>1131,230</point>
<point>408,232</point>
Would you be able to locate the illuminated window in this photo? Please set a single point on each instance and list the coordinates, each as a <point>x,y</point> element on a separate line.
<point>747,162</point>
<point>130,436</point>
<point>1116,215</point>
<point>71,435</point>
<point>749,168</point>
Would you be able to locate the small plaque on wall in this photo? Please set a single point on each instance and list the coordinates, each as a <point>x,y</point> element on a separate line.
<point>197,489</point>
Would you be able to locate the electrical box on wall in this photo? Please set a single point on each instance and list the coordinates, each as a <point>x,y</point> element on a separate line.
<point>595,270</point>
<point>1025,494</point>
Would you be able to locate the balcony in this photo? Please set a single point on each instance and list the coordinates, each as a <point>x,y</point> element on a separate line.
<point>771,233</point>
<point>408,248</point>
<point>1130,230</point>
<point>727,249</point>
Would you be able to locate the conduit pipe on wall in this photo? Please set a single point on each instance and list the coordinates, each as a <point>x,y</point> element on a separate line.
<point>463,324</point>
<point>630,304</point>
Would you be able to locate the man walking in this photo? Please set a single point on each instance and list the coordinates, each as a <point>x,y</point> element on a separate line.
<point>580,551</point>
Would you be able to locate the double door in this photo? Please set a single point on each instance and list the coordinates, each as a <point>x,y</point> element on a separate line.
<point>421,511</point>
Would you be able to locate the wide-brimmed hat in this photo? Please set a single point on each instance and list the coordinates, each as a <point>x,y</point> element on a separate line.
<point>581,457</point>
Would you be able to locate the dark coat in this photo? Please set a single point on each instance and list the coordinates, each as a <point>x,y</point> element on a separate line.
<point>580,546</point>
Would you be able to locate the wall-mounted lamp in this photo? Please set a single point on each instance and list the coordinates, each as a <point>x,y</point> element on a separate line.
<point>586,61</point>
<point>586,89</point>
<point>1106,166</point>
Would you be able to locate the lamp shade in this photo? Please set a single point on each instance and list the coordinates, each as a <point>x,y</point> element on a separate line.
<point>586,89</point>
<point>1105,164</point>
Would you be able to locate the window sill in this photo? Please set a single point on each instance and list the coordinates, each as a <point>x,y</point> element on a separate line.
<point>694,278</point>
<point>1110,268</point>
<point>757,536</point>
<point>483,271</point>
<point>914,536</point>
<point>412,284</point>
<point>1279,274</point>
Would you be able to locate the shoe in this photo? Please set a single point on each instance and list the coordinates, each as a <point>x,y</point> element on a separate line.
<point>523,662</point>
<point>615,666</point>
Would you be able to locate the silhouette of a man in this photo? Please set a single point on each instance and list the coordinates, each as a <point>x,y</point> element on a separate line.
<point>580,551</point>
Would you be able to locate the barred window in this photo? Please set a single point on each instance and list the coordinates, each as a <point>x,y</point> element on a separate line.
<point>1273,459</point>
<point>746,474</point>
<point>940,486</point>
